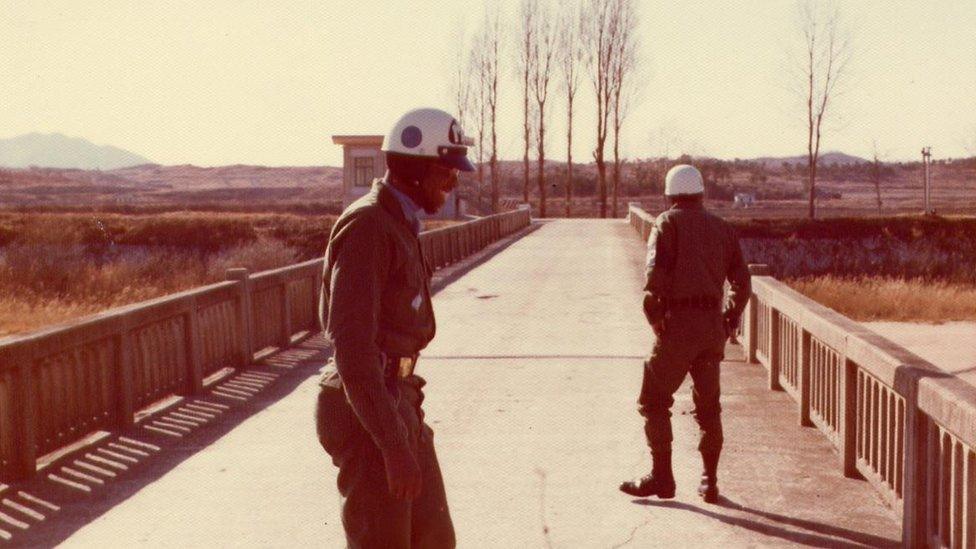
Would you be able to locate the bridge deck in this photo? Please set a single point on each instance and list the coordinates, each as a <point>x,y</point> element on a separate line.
<point>532,385</point>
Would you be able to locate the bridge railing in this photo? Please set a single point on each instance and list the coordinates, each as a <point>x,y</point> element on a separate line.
<point>898,421</point>
<point>60,384</point>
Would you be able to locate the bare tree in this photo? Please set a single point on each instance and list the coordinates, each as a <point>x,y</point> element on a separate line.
<point>525,64</point>
<point>463,90</point>
<point>826,54</point>
<point>599,33</point>
<point>623,84</point>
<point>492,46</point>
<point>569,56</point>
<point>479,97</point>
<point>543,52</point>
<point>461,83</point>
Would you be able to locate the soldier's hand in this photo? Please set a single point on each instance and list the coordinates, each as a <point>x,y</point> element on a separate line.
<point>731,323</point>
<point>402,473</point>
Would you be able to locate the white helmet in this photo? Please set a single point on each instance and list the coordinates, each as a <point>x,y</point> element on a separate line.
<point>430,133</point>
<point>683,179</point>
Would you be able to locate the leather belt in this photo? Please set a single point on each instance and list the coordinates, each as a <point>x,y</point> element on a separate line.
<point>695,302</point>
<point>400,366</point>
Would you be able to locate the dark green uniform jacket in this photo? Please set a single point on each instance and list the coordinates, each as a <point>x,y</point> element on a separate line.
<point>375,302</point>
<point>709,255</point>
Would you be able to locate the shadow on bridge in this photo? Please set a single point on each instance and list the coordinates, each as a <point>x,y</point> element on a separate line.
<point>85,493</point>
<point>805,532</point>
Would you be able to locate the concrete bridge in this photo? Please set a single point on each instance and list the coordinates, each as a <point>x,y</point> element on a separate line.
<point>187,421</point>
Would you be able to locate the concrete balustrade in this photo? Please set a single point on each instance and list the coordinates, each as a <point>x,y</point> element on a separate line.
<point>896,420</point>
<point>60,384</point>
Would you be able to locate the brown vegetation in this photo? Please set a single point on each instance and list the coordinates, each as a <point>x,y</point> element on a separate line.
<point>56,267</point>
<point>91,251</point>
<point>45,284</point>
<point>908,268</point>
<point>152,188</point>
<point>879,298</point>
<point>929,248</point>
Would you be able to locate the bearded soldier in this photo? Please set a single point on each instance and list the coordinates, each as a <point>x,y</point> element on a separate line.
<point>376,309</point>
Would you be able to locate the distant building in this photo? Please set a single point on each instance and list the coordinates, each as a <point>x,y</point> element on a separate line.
<point>744,200</point>
<point>363,161</point>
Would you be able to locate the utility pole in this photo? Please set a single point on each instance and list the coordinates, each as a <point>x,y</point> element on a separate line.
<point>927,162</point>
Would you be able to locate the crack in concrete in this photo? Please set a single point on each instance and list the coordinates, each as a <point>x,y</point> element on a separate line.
<point>633,533</point>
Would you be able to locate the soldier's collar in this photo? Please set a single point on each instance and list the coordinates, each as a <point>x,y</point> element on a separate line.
<point>390,202</point>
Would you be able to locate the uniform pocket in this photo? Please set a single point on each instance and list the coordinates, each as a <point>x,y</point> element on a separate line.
<point>335,422</point>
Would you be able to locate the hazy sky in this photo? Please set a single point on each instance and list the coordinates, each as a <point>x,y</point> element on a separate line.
<point>241,81</point>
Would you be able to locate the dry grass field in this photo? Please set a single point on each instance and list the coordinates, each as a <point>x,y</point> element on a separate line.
<point>880,298</point>
<point>73,242</point>
<point>903,268</point>
<point>56,267</point>
<point>151,188</point>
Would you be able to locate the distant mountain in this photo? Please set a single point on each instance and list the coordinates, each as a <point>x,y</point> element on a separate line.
<point>59,151</point>
<point>825,159</point>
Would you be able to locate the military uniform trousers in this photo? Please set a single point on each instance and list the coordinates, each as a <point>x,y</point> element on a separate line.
<point>693,342</point>
<point>371,516</point>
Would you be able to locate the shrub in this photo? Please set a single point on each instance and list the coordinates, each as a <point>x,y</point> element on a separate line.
<point>200,233</point>
<point>307,236</point>
<point>932,249</point>
<point>261,255</point>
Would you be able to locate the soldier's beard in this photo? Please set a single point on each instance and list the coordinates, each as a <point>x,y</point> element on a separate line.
<point>430,192</point>
<point>429,196</point>
<point>432,198</point>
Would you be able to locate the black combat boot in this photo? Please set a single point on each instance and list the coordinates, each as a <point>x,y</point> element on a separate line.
<point>708,489</point>
<point>659,483</point>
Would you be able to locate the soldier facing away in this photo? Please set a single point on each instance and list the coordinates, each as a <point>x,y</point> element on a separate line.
<point>376,309</point>
<point>690,255</point>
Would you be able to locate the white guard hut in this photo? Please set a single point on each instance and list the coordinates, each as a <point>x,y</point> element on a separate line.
<point>363,161</point>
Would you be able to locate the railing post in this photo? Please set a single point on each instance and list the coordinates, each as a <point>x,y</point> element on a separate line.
<point>751,335</point>
<point>775,360</point>
<point>803,378</point>
<point>124,389</point>
<point>244,312</point>
<point>751,313</point>
<point>848,416</point>
<point>448,254</point>
<point>23,411</point>
<point>194,350</point>
<point>630,211</point>
<point>435,252</point>
<point>317,296</point>
<point>914,500</point>
<point>286,330</point>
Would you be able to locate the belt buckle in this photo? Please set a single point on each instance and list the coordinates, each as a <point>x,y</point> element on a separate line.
<point>406,366</point>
